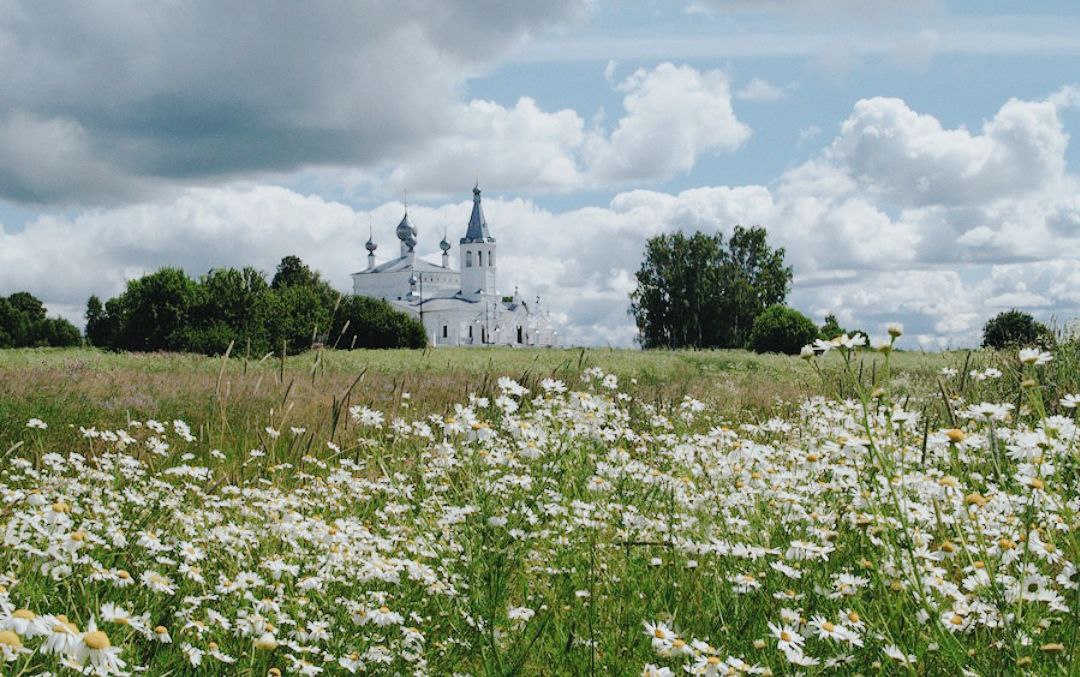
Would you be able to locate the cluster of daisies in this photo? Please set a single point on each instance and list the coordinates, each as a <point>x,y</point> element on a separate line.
<point>544,528</point>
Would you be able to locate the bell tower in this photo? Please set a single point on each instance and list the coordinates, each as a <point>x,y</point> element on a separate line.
<point>476,254</point>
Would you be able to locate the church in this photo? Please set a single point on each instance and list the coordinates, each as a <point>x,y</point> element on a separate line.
<point>457,307</point>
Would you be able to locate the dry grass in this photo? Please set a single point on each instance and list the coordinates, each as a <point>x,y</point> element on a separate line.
<point>91,387</point>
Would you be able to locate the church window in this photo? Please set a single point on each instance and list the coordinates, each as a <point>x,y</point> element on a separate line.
<point>470,332</point>
<point>444,330</point>
<point>468,259</point>
<point>480,259</point>
<point>491,258</point>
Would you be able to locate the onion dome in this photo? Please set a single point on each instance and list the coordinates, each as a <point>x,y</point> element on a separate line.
<point>406,231</point>
<point>371,246</point>
<point>444,245</point>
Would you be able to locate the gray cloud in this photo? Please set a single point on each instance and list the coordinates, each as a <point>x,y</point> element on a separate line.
<point>123,91</point>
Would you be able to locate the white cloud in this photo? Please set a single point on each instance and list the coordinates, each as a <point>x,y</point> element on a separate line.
<point>760,90</point>
<point>910,159</point>
<point>673,114</point>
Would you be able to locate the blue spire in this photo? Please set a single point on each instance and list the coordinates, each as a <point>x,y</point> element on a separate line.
<point>478,228</point>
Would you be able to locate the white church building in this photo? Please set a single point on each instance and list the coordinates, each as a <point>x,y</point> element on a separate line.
<point>457,307</point>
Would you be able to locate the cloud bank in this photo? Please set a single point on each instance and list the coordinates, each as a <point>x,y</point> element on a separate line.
<point>898,218</point>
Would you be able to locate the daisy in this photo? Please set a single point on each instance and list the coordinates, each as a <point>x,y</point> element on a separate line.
<point>1034,356</point>
<point>787,639</point>
<point>827,630</point>
<point>383,617</point>
<point>899,656</point>
<point>11,647</point>
<point>94,646</point>
<point>23,622</point>
<point>63,635</point>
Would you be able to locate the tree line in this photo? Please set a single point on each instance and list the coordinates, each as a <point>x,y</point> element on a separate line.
<point>24,324</point>
<point>296,309</point>
<point>702,291</point>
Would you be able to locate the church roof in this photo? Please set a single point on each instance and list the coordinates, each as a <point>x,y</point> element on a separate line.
<point>478,228</point>
<point>403,263</point>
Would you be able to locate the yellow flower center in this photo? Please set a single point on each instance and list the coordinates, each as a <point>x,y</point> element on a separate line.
<point>266,644</point>
<point>60,506</point>
<point>212,646</point>
<point>957,619</point>
<point>384,610</point>
<point>9,638</point>
<point>123,575</point>
<point>1035,483</point>
<point>24,614</point>
<point>853,617</point>
<point>827,626</point>
<point>955,435</point>
<point>785,635</point>
<point>658,633</point>
<point>161,630</point>
<point>96,640</point>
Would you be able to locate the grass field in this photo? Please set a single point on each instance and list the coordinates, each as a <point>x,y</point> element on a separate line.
<point>508,511</point>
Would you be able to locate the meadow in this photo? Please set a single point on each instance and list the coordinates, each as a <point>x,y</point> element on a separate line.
<point>502,511</point>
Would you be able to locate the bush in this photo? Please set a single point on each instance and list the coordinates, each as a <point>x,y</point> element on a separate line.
<point>1015,328</point>
<point>779,329</point>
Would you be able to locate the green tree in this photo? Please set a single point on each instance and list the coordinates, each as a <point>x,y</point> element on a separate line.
<point>59,333</point>
<point>154,311</point>
<point>234,307</point>
<point>300,314</point>
<point>780,329</point>
<point>701,292</point>
<point>363,322</point>
<point>1014,328</point>
<point>99,326</point>
<point>757,278</point>
<point>23,323</point>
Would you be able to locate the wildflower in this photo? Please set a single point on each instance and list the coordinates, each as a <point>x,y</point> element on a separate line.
<point>787,638</point>
<point>383,617</point>
<point>352,662</point>
<point>1070,401</point>
<point>23,622</point>
<point>158,583</point>
<point>661,635</point>
<point>63,635</point>
<point>828,630</point>
<point>896,330</point>
<point>95,647</point>
<point>266,642</point>
<point>899,656</point>
<point>37,423</point>
<point>1034,356</point>
<point>520,614</point>
<point>11,646</point>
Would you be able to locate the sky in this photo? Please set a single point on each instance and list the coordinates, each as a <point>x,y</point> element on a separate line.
<point>913,158</point>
